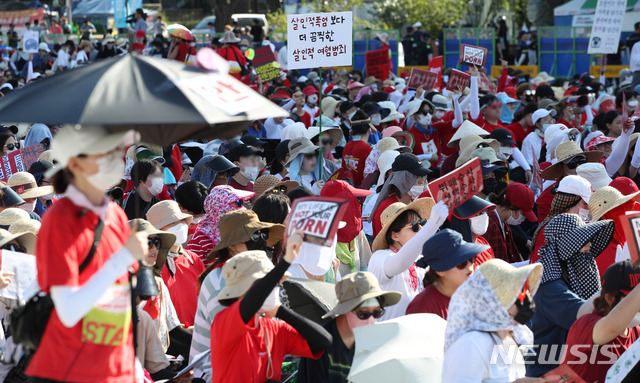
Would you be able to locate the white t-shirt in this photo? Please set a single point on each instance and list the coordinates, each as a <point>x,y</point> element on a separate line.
<point>470,360</point>
<point>400,282</point>
<point>82,57</point>
<point>63,59</point>
<point>532,140</point>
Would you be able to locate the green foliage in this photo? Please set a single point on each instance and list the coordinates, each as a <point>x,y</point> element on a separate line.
<point>433,14</point>
<point>277,21</point>
<point>316,6</point>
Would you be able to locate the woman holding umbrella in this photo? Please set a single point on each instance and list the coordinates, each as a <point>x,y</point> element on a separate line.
<point>180,49</point>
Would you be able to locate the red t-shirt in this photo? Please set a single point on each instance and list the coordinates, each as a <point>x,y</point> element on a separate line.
<point>377,222</point>
<point>519,132</point>
<point>239,351</point>
<point>581,360</point>
<point>56,30</point>
<point>236,185</point>
<point>354,156</point>
<point>183,286</point>
<point>485,125</point>
<point>535,256</point>
<point>441,130</point>
<point>607,257</point>
<point>99,348</point>
<point>544,202</point>
<point>183,50</point>
<point>201,245</point>
<point>485,255</point>
<point>430,301</point>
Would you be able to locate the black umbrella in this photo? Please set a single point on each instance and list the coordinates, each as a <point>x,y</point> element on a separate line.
<point>309,298</point>
<point>166,101</point>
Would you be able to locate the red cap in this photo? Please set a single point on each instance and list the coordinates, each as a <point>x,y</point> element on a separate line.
<point>329,89</point>
<point>281,93</point>
<point>520,196</point>
<point>333,188</point>
<point>140,34</point>
<point>390,89</point>
<point>511,92</point>
<point>309,90</point>
<point>625,185</point>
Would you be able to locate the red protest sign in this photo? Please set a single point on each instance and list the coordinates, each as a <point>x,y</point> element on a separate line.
<point>422,77</point>
<point>264,61</point>
<point>563,374</point>
<point>485,84</point>
<point>472,55</point>
<point>458,80</point>
<point>378,64</point>
<point>457,187</point>
<point>435,66</point>
<point>19,161</point>
<point>317,217</point>
<point>19,18</point>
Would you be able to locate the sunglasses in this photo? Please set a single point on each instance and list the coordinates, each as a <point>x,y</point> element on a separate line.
<point>464,264</point>
<point>11,146</point>
<point>326,142</point>
<point>575,162</point>
<point>364,315</point>
<point>13,247</point>
<point>279,190</point>
<point>154,242</point>
<point>255,237</point>
<point>416,225</point>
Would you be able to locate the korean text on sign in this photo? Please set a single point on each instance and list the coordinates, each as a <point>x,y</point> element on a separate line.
<point>422,77</point>
<point>378,64</point>
<point>457,187</point>
<point>265,63</point>
<point>319,40</point>
<point>607,26</point>
<point>458,80</point>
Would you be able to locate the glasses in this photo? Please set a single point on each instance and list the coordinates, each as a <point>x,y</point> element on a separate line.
<point>154,242</point>
<point>255,237</point>
<point>279,190</point>
<point>14,247</point>
<point>464,264</point>
<point>326,142</point>
<point>416,225</point>
<point>576,161</point>
<point>12,146</point>
<point>364,315</point>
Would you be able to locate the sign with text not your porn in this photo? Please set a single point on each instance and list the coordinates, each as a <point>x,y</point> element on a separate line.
<point>319,40</point>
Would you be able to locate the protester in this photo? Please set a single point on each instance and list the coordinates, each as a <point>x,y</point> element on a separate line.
<point>146,176</point>
<point>471,219</point>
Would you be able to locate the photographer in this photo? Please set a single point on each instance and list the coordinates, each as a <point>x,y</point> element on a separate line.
<point>140,21</point>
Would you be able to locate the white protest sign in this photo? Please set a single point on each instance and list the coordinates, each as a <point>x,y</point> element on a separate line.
<point>317,218</point>
<point>31,41</point>
<point>319,40</point>
<point>24,284</point>
<point>607,26</point>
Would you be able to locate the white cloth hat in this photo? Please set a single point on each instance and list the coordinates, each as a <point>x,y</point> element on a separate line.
<point>417,25</point>
<point>541,113</point>
<point>385,161</point>
<point>576,185</point>
<point>595,173</point>
<point>555,129</point>
<point>44,47</point>
<point>591,136</point>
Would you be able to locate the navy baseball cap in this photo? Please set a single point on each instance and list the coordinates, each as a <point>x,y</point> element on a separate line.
<point>411,163</point>
<point>446,250</point>
<point>473,207</point>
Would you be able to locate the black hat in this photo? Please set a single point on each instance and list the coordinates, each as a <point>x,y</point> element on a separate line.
<point>227,146</point>
<point>346,105</point>
<point>240,151</point>
<point>12,128</point>
<point>299,192</point>
<point>10,198</point>
<point>115,192</point>
<point>621,276</point>
<point>473,207</point>
<point>38,169</point>
<point>411,163</point>
<point>282,149</point>
<point>503,136</point>
<point>220,164</point>
<point>251,140</point>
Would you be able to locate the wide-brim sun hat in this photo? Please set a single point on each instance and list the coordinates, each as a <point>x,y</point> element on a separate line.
<point>469,143</point>
<point>566,151</point>
<point>25,226</point>
<point>300,145</point>
<point>570,233</point>
<point>390,143</point>
<point>595,173</point>
<point>333,132</point>
<point>12,215</point>
<point>447,249</point>
<point>229,38</point>
<point>508,281</point>
<point>356,288</point>
<point>28,240</point>
<point>9,198</point>
<point>393,114</point>
<point>607,198</point>
<point>385,161</point>
<point>142,225</point>
<point>422,206</point>
<point>396,131</point>
<point>465,129</point>
<point>165,213</point>
<point>24,183</point>
<point>473,207</point>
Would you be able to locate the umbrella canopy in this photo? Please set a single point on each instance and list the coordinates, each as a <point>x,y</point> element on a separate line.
<point>166,101</point>
<point>405,349</point>
<point>309,298</point>
<point>180,31</point>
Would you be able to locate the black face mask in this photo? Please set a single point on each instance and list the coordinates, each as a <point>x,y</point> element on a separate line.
<point>259,244</point>
<point>526,309</point>
<point>490,185</point>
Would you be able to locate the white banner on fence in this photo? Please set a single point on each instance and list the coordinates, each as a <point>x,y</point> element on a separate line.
<point>319,40</point>
<point>607,26</point>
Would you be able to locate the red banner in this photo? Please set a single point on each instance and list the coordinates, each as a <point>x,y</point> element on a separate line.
<point>422,77</point>
<point>458,80</point>
<point>563,374</point>
<point>458,186</point>
<point>435,66</point>
<point>20,18</point>
<point>19,161</point>
<point>378,64</point>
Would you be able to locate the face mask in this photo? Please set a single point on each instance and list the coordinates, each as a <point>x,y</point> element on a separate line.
<point>584,214</point>
<point>438,114</point>
<point>544,127</point>
<point>250,172</point>
<point>632,103</point>
<point>110,170</point>
<point>516,221</point>
<point>375,119</point>
<point>181,231</point>
<point>312,99</point>
<point>415,191</point>
<point>489,185</point>
<point>316,259</point>
<point>354,322</point>
<point>28,207</point>
<point>272,300</point>
<point>479,224</point>
<point>425,121</point>
<point>526,309</point>
<point>506,151</point>
<point>157,184</point>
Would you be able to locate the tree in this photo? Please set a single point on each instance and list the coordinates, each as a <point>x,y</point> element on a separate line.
<point>433,14</point>
<point>318,6</point>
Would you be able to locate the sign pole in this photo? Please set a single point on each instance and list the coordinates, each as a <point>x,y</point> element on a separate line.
<point>320,124</point>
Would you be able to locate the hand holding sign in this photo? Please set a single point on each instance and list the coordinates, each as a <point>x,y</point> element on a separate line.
<point>472,55</point>
<point>457,187</point>
<point>294,243</point>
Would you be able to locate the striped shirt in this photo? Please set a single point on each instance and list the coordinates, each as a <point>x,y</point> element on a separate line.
<point>201,245</point>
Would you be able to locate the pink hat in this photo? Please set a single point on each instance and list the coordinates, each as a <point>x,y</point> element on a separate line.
<point>355,84</point>
<point>396,131</point>
<point>597,140</point>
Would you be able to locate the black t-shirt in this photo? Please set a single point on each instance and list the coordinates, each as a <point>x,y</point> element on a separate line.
<point>257,32</point>
<point>333,366</point>
<point>136,207</point>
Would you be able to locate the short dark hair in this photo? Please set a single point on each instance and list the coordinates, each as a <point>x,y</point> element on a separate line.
<point>272,208</point>
<point>610,116</point>
<point>191,195</point>
<point>142,169</point>
<point>400,222</point>
<point>545,91</point>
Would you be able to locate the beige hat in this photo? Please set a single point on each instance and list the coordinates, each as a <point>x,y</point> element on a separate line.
<point>167,239</point>
<point>508,281</point>
<point>27,240</point>
<point>241,271</point>
<point>465,129</point>
<point>470,142</point>
<point>422,206</point>
<point>390,143</point>
<point>237,227</point>
<point>263,183</point>
<point>372,80</point>
<point>165,213</point>
<point>334,132</point>
<point>606,199</point>
<point>543,77</point>
<point>383,37</point>
<point>12,215</point>
<point>108,39</point>
<point>564,152</point>
<point>385,162</point>
<point>25,226</point>
<point>300,145</point>
<point>24,183</point>
<point>356,288</point>
<point>47,155</point>
<point>329,106</point>
<point>229,38</point>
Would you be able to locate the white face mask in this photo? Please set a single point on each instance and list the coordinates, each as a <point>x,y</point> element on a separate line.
<point>632,103</point>
<point>110,170</point>
<point>439,114</point>
<point>316,259</point>
<point>375,119</point>
<point>506,151</point>
<point>425,121</point>
<point>157,184</point>
<point>415,191</point>
<point>312,99</point>
<point>250,172</point>
<point>272,300</point>
<point>584,214</point>
<point>479,224</point>
<point>515,221</point>
<point>181,231</point>
<point>28,207</point>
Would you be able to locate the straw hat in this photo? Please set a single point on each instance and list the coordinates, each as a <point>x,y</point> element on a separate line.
<point>605,199</point>
<point>28,240</point>
<point>334,132</point>
<point>300,145</point>
<point>543,77</point>
<point>12,215</point>
<point>465,129</point>
<point>564,152</point>
<point>356,288</point>
<point>508,281</point>
<point>165,213</point>
<point>229,38</point>
<point>241,271</point>
<point>47,155</point>
<point>237,227</point>
<point>393,113</point>
<point>25,226</point>
<point>329,106</point>
<point>268,182</point>
<point>391,143</point>
<point>24,183</point>
<point>422,206</point>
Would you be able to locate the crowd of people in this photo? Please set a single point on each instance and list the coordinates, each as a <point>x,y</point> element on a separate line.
<point>155,256</point>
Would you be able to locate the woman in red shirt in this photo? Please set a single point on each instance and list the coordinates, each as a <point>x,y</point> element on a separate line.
<point>232,54</point>
<point>88,337</point>
<point>181,50</point>
<point>471,219</point>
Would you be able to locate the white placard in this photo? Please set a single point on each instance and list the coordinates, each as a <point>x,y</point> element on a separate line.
<point>607,26</point>
<point>24,283</point>
<point>31,41</point>
<point>319,40</point>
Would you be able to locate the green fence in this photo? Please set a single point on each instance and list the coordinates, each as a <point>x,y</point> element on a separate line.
<point>562,51</point>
